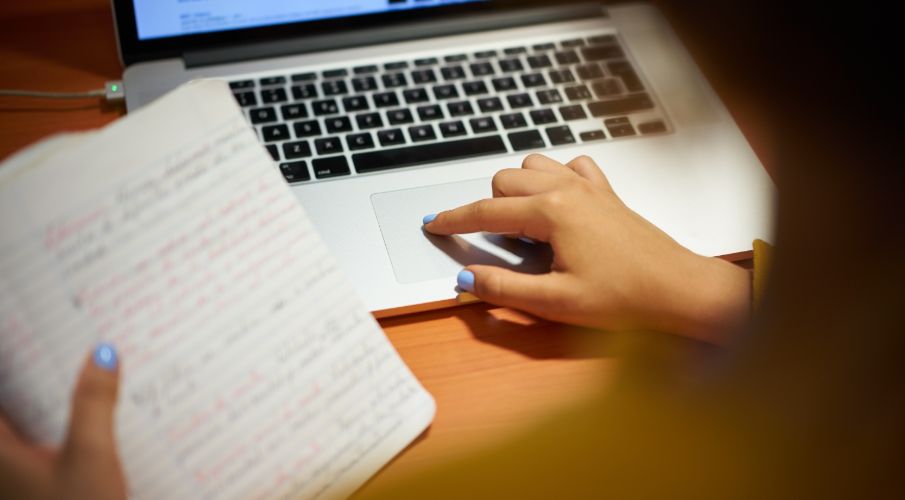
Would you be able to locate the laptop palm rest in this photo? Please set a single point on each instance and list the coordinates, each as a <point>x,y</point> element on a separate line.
<point>417,255</point>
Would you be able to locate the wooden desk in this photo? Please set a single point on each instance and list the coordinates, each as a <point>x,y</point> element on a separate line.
<point>490,369</point>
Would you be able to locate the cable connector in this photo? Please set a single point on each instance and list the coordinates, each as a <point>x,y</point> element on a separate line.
<point>114,91</point>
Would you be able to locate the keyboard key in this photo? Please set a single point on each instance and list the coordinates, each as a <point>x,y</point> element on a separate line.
<point>307,129</point>
<point>355,103</point>
<point>357,142</point>
<point>490,104</point>
<point>275,133</point>
<point>328,146</point>
<point>330,167</point>
<point>325,107</point>
<point>637,102</point>
<point>274,152</point>
<point>246,99</point>
<point>364,84</point>
<point>262,115</point>
<point>304,77</point>
<point>600,52</point>
<point>421,133</point>
<point>364,70</point>
<point>561,76</point>
<point>334,87</point>
<point>393,80</point>
<point>573,112</point>
<point>272,80</point>
<point>295,171</point>
<point>519,101</point>
<point>511,65</point>
<point>544,46</point>
<point>539,61</point>
<point>606,87</point>
<point>477,87</point>
<point>589,71</point>
<point>306,91</point>
<point>452,129</point>
<point>619,127</point>
<point>578,93</point>
<point>414,96</point>
<point>455,58</point>
<point>654,127</point>
<point>593,135</point>
<point>428,153</point>
<point>294,112</point>
<point>432,112</point>
<point>482,124</point>
<point>459,108</point>
<point>297,149</point>
<point>335,73</point>
<point>549,96</point>
<point>338,124</point>
<point>390,137</point>
<point>427,61</point>
<point>577,42</point>
<point>242,84</point>
<point>513,120</point>
<point>386,99</point>
<point>529,139</point>
<point>624,70</point>
<point>533,80</point>
<point>543,116</point>
<point>601,39</point>
<point>400,116</point>
<point>369,120</point>
<point>567,57</point>
<point>275,94</point>
<point>445,92</point>
<point>511,51</point>
<point>560,135</point>
<point>504,84</point>
<point>485,54</point>
<point>453,73</point>
<point>482,69</point>
<point>395,66</point>
<point>424,76</point>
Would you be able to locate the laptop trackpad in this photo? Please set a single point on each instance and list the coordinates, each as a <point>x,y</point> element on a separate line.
<point>419,256</point>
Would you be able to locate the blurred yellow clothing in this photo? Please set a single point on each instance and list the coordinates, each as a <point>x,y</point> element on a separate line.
<point>674,424</point>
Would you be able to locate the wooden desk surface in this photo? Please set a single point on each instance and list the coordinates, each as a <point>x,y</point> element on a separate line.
<point>490,369</point>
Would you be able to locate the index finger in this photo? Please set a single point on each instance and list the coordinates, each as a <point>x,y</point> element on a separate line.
<point>517,215</point>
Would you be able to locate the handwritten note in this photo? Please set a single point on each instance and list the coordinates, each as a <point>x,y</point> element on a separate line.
<point>250,370</point>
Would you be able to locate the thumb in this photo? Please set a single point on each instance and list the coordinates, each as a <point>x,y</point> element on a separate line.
<point>91,425</point>
<point>539,294</point>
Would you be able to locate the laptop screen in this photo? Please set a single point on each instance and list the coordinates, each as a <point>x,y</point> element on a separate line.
<point>156,19</point>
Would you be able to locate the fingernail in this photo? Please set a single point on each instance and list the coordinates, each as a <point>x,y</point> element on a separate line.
<point>465,280</point>
<point>527,240</point>
<point>105,356</point>
<point>428,219</point>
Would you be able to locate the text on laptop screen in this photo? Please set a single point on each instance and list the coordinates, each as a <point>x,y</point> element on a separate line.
<point>169,18</point>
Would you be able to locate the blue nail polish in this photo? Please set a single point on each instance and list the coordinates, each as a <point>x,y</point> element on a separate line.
<point>105,356</point>
<point>465,279</point>
<point>428,219</point>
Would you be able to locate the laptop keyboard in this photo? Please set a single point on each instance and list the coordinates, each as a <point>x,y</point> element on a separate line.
<point>342,122</point>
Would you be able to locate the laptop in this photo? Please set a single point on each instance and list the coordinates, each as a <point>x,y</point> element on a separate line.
<point>378,112</point>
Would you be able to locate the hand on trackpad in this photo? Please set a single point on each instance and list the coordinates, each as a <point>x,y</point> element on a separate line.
<point>420,256</point>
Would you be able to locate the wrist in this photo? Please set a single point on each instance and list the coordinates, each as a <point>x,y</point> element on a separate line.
<point>713,299</point>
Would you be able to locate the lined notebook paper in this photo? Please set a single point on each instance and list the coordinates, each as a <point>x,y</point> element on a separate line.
<point>249,367</point>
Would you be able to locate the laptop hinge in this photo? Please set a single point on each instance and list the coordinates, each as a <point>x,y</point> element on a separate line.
<point>398,33</point>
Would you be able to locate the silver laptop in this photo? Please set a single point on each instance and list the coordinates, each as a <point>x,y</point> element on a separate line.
<point>379,112</point>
